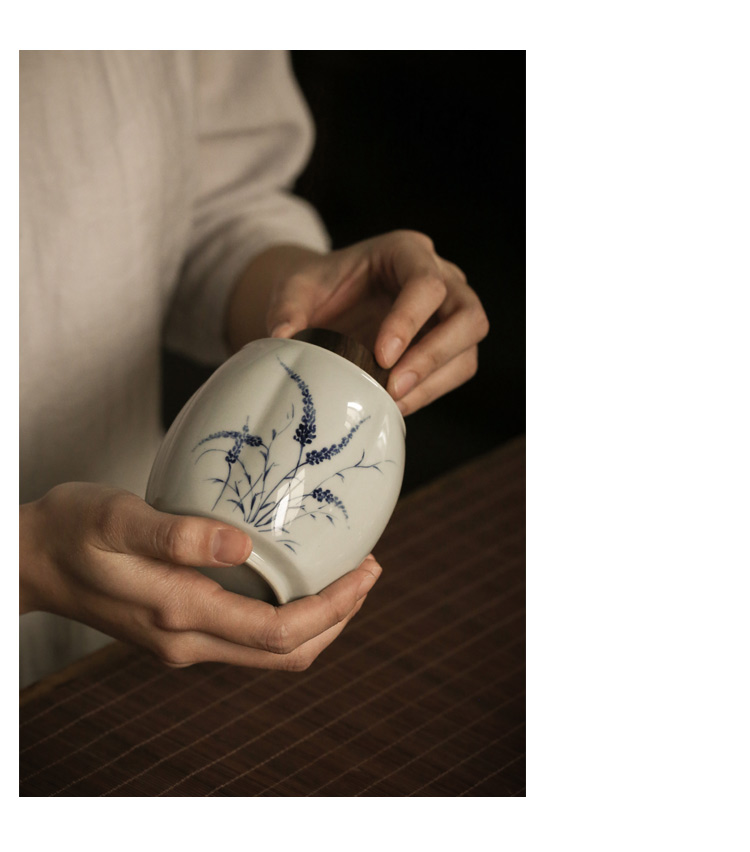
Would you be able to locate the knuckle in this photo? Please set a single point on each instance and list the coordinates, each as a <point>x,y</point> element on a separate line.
<point>483,323</point>
<point>478,318</point>
<point>457,272</point>
<point>435,287</point>
<point>432,360</point>
<point>278,638</point>
<point>174,652</point>
<point>178,541</point>
<point>109,513</point>
<point>471,362</point>
<point>410,236</point>
<point>170,618</point>
<point>336,608</point>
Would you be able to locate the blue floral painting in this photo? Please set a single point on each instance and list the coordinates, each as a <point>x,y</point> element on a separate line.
<point>258,488</point>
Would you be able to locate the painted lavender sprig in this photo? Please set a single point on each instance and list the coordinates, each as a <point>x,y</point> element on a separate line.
<point>260,501</point>
<point>326,496</point>
<point>303,435</point>
<point>314,457</point>
<point>306,431</point>
<point>240,439</point>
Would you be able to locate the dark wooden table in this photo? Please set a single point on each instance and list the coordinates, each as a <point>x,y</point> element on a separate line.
<point>422,695</point>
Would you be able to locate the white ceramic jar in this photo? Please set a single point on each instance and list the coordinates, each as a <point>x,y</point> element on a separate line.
<point>298,447</point>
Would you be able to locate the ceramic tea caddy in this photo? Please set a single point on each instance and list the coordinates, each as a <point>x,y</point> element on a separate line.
<point>297,443</point>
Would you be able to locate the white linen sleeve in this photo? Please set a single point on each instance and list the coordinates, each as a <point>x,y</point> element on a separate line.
<point>255,134</point>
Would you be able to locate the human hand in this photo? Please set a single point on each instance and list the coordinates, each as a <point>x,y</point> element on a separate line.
<point>393,293</point>
<point>106,558</point>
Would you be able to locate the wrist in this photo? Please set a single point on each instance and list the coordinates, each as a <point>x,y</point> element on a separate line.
<point>32,560</point>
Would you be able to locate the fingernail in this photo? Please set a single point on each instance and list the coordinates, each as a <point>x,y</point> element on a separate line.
<point>369,581</point>
<point>230,546</point>
<point>404,383</point>
<point>282,329</point>
<point>391,350</point>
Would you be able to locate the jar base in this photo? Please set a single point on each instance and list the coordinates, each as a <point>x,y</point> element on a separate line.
<point>242,580</point>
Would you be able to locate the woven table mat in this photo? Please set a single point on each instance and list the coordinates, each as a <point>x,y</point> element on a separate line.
<point>423,694</point>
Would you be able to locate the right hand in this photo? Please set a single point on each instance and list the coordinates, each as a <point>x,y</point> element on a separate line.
<point>106,558</point>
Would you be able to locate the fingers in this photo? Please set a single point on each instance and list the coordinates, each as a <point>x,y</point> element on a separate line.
<point>415,270</point>
<point>225,627</point>
<point>279,630</point>
<point>442,381</point>
<point>404,288</point>
<point>317,294</point>
<point>292,306</point>
<point>126,524</point>
<point>199,618</point>
<point>125,568</point>
<point>388,291</point>
<point>434,290</point>
<point>186,649</point>
<point>462,325</point>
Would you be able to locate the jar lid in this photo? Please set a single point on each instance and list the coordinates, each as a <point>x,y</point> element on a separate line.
<point>347,348</point>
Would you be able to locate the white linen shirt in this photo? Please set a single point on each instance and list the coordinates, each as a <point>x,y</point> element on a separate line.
<point>148,181</point>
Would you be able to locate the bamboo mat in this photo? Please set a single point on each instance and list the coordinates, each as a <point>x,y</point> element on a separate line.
<point>422,695</point>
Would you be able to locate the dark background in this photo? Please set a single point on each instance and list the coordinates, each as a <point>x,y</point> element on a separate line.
<point>433,141</point>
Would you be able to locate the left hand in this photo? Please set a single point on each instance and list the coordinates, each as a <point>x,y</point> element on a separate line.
<point>393,293</point>
<point>104,557</point>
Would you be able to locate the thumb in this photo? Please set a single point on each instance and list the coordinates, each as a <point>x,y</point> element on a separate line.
<point>292,305</point>
<point>141,530</point>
